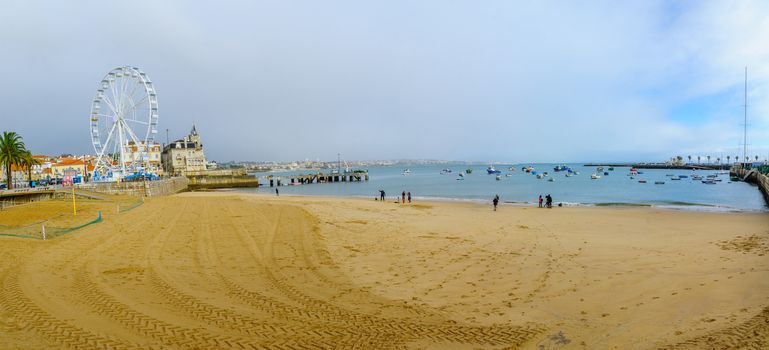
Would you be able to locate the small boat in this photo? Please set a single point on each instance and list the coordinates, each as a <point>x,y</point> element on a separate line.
<point>508,175</point>
<point>539,176</point>
<point>499,178</point>
<point>469,171</point>
<point>491,170</point>
<point>407,172</point>
<point>446,171</point>
<point>576,173</point>
<point>545,174</point>
<point>669,175</point>
<point>640,172</point>
<point>611,168</point>
<point>641,181</point>
<point>709,182</point>
<point>461,174</point>
<point>605,173</point>
<point>683,176</point>
<point>599,169</point>
<point>659,182</point>
<point>632,177</point>
<point>595,176</point>
<point>552,179</point>
<point>560,168</point>
<point>675,178</point>
<point>512,168</point>
<point>460,178</point>
<point>568,174</point>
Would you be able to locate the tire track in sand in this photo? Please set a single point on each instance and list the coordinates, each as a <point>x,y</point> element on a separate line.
<point>400,329</point>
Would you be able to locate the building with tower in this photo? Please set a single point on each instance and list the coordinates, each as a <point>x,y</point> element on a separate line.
<point>184,155</point>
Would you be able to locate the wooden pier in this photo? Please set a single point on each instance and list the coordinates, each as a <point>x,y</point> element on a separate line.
<point>307,179</point>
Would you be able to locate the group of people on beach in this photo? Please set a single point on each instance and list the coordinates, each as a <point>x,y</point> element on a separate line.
<point>405,196</point>
<point>548,201</point>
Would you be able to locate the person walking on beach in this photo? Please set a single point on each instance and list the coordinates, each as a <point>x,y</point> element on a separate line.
<point>408,195</point>
<point>549,201</point>
<point>382,195</point>
<point>496,202</point>
<point>540,201</point>
<point>277,193</point>
<point>403,197</point>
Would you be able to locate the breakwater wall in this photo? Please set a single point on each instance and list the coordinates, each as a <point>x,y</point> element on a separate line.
<point>139,188</point>
<point>22,196</point>
<point>226,178</point>
<point>663,166</point>
<point>753,176</point>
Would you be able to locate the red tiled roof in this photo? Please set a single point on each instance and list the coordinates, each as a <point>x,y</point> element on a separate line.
<point>70,162</point>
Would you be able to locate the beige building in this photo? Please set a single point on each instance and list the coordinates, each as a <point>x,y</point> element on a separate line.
<point>182,156</point>
<point>135,153</point>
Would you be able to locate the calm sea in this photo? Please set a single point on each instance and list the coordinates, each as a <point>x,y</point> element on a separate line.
<point>428,182</point>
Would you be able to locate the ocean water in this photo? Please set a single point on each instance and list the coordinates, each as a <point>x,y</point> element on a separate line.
<point>428,182</point>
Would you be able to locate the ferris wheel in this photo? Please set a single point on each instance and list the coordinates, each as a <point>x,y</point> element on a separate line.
<point>124,120</point>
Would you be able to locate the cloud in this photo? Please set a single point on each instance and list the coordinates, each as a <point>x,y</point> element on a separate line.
<point>548,81</point>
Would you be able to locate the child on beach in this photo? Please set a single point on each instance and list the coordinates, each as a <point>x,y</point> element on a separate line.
<point>409,196</point>
<point>403,197</point>
<point>540,201</point>
<point>495,201</point>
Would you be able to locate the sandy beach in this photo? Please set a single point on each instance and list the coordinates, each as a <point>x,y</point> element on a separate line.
<point>223,270</point>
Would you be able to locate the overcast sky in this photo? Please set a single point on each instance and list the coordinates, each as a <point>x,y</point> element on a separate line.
<point>462,80</point>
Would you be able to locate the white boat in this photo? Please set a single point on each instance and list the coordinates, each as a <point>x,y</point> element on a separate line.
<point>552,179</point>
<point>595,176</point>
<point>407,172</point>
<point>499,177</point>
<point>508,175</point>
<point>568,174</point>
<point>539,176</point>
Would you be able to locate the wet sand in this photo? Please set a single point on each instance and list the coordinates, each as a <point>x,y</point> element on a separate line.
<point>225,270</point>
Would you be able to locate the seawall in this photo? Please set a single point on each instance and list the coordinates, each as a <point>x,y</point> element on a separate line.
<point>753,176</point>
<point>139,188</point>
<point>27,195</point>
<point>226,178</point>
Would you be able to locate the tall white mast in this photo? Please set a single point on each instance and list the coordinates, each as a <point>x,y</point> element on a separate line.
<point>745,124</point>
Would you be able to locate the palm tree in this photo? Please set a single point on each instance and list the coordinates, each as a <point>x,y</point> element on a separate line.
<point>690,159</point>
<point>698,159</point>
<point>727,159</point>
<point>708,159</point>
<point>11,149</point>
<point>28,161</point>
